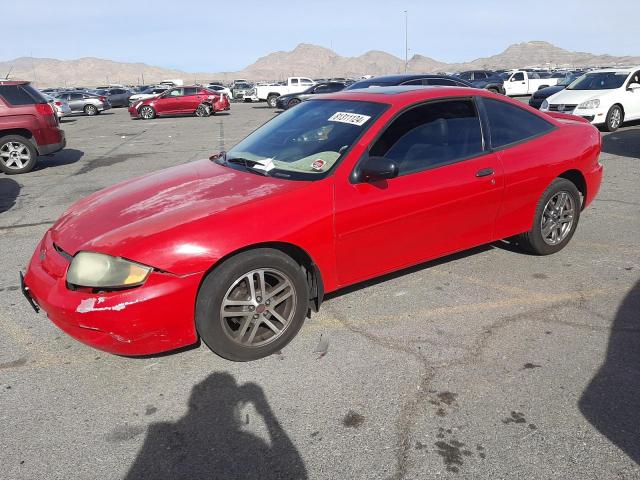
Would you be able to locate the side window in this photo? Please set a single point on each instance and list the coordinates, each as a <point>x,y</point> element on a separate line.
<point>294,81</point>
<point>465,76</point>
<point>509,124</point>
<point>176,92</point>
<point>518,77</point>
<point>190,91</point>
<point>413,82</point>
<point>635,78</point>
<point>439,81</point>
<point>76,96</point>
<point>335,87</point>
<point>322,89</point>
<point>431,135</point>
<point>479,75</point>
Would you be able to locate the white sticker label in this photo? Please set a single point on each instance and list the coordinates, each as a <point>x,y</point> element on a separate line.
<point>266,164</point>
<point>351,118</point>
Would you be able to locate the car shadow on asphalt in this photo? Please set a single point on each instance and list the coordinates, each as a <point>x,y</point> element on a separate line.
<point>624,142</point>
<point>611,401</point>
<point>408,270</point>
<point>9,191</point>
<point>63,157</point>
<point>212,440</point>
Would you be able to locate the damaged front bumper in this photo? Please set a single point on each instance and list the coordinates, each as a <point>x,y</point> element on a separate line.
<point>155,317</point>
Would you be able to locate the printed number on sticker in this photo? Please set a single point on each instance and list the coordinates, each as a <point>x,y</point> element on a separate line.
<point>351,118</point>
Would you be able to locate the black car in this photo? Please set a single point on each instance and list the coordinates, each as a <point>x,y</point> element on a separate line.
<point>541,95</point>
<point>287,101</point>
<point>485,79</point>
<point>410,79</point>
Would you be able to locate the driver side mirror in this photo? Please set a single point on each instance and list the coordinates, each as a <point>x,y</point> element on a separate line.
<point>374,169</point>
<point>633,86</point>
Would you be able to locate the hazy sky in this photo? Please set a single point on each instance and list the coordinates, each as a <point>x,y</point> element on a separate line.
<point>225,36</point>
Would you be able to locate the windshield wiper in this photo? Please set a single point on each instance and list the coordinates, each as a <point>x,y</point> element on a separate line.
<point>248,164</point>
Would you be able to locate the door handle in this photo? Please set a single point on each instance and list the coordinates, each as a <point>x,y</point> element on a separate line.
<point>485,172</point>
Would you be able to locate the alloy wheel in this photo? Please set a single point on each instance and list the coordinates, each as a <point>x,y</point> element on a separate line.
<point>146,113</point>
<point>616,117</point>
<point>557,218</point>
<point>15,155</point>
<point>258,307</point>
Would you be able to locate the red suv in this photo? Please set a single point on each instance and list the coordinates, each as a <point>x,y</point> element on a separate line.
<point>29,127</point>
<point>181,101</point>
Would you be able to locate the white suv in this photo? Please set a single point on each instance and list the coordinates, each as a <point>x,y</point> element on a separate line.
<point>605,97</point>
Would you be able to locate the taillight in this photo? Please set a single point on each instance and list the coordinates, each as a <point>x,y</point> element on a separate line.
<point>44,109</point>
<point>103,99</point>
<point>59,104</point>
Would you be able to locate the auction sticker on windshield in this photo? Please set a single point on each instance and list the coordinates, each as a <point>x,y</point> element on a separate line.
<point>351,118</point>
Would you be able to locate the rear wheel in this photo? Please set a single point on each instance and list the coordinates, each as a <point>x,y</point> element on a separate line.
<point>556,219</point>
<point>90,110</point>
<point>252,305</point>
<point>17,154</point>
<point>147,112</point>
<point>272,101</point>
<point>293,102</point>
<point>203,110</point>
<point>614,118</point>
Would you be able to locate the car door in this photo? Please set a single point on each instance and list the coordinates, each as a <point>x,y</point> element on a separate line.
<point>631,102</point>
<point>168,103</point>
<point>445,198</point>
<point>76,102</point>
<point>518,84</point>
<point>190,100</point>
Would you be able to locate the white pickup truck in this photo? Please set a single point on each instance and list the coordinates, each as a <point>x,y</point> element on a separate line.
<point>270,93</point>
<point>521,82</point>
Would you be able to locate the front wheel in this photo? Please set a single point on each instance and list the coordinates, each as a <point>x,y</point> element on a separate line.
<point>147,113</point>
<point>293,102</point>
<point>252,305</point>
<point>613,119</point>
<point>556,219</point>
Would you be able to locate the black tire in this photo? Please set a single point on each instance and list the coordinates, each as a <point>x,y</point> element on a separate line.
<point>534,240</point>
<point>493,90</point>
<point>211,327</point>
<point>614,118</point>
<point>147,112</point>
<point>293,102</point>
<point>24,146</point>
<point>203,110</point>
<point>272,101</point>
<point>90,110</point>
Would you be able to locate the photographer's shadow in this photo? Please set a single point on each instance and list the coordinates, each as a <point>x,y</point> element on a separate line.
<point>209,442</point>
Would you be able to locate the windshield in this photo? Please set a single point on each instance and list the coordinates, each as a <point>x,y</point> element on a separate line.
<point>568,80</point>
<point>306,141</point>
<point>242,85</point>
<point>599,81</point>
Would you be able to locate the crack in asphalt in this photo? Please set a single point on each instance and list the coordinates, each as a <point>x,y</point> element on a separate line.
<point>428,370</point>
<point>25,225</point>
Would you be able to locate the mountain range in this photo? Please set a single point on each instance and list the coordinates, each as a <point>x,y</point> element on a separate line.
<point>305,60</point>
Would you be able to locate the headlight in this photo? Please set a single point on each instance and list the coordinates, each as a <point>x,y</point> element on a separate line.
<point>545,105</point>
<point>589,104</point>
<point>90,269</point>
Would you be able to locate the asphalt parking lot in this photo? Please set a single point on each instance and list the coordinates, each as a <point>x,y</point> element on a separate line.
<point>490,364</point>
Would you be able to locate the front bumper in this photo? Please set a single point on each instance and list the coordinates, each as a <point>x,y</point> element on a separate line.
<point>155,317</point>
<point>133,111</point>
<point>595,116</point>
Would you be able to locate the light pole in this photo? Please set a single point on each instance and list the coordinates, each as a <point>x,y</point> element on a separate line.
<point>406,41</point>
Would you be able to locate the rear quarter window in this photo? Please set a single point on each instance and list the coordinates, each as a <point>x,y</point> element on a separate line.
<point>510,124</point>
<point>17,95</point>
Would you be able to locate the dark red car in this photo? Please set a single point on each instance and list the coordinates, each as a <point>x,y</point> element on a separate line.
<point>29,127</point>
<point>190,100</point>
<point>237,249</point>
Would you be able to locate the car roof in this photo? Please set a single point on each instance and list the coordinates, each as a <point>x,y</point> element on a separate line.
<point>404,94</point>
<point>14,82</point>
<point>613,69</point>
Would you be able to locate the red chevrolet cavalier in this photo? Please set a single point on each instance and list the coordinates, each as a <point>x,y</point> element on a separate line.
<point>192,100</point>
<point>237,249</point>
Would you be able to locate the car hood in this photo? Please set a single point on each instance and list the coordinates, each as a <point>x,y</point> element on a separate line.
<point>121,219</point>
<point>571,97</point>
